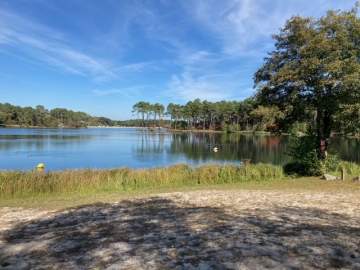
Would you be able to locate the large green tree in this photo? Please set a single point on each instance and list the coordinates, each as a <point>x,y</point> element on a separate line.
<point>314,70</point>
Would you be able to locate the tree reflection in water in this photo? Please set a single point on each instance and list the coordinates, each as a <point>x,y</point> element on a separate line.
<point>198,146</point>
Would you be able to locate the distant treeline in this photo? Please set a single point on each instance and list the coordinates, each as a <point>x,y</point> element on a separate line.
<point>141,123</point>
<point>39,116</point>
<point>247,115</point>
<point>205,115</point>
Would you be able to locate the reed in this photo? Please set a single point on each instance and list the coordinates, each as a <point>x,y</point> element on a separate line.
<point>27,184</point>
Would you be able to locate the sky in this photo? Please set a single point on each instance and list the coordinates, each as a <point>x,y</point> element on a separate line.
<point>101,57</point>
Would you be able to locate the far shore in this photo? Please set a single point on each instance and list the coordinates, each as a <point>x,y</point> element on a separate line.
<point>171,130</point>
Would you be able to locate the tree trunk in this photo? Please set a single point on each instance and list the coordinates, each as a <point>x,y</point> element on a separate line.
<point>323,129</point>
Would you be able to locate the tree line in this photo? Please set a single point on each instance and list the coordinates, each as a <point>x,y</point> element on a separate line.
<point>149,113</point>
<point>205,115</point>
<point>251,114</point>
<point>39,116</point>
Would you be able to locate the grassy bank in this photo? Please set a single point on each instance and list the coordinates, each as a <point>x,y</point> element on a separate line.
<point>75,187</point>
<point>25,184</point>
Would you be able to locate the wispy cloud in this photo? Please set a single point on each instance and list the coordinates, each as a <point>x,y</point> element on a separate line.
<point>241,31</point>
<point>49,46</point>
<point>244,27</point>
<point>159,50</point>
<point>241,25</point>
<point>211,87</point>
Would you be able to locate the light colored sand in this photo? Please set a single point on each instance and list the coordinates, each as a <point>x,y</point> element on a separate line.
<point>190,230</point>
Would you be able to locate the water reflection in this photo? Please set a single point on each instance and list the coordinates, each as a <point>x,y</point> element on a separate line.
<point>150,142</point>
<point>110,148</point>
<point>39,142</point>
<point>347,149</point>
<point>232,147</point>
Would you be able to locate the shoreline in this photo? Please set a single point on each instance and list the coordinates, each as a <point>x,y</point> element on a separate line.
<point>24,184</point>
<point>209,131</point>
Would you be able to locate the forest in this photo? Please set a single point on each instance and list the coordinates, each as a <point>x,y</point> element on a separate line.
<point>231,116</point>
<point>16,116</point>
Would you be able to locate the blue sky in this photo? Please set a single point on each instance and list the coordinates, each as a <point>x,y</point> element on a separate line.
<point>103,56</point>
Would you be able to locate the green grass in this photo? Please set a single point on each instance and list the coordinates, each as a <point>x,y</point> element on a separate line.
<point>351,169</point>
<point>75,187</point>
<point>23,184</point>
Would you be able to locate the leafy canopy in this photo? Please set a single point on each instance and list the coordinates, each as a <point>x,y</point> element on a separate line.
<point>314,70</point>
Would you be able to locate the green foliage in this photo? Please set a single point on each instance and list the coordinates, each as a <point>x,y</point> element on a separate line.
<point>305,157</point>
<point>330,164</point>
<point>350,168</point>
<point>230,128</point>
<point>298,128</point>
<point>266,117</point>
<point>145,109</point>
<point>306,160</point>
<point>22,184</point>
<point>348,119</point>
<point>314,72</point>
<point>229,116</point>
<point>140,123</point>
<point>41,117</point>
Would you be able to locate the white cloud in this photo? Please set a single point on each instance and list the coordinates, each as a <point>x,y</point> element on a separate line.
<point>187,87</point>
<point>239,24</point>
<point>46,45</point>
<point>244,27</point>
<point>241,30</point>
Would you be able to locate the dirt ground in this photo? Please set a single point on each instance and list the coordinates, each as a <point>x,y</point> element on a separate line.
<point>189,230</point>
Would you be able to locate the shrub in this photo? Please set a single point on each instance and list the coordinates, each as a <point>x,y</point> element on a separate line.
<point>305,162</point>
<point>330,164</point>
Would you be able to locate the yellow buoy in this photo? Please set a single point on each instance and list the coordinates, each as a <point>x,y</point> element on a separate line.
<point>40,167</point>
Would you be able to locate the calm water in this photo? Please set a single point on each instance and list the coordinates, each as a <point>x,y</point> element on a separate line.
<point>110,148</point>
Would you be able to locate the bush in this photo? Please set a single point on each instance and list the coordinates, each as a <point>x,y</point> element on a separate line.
<point>298,128</point>
<point>330,164</point>
<point>305,162</point>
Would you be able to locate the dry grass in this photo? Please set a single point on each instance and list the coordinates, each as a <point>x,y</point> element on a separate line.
<point>76,187</point>
<point>24,184</point>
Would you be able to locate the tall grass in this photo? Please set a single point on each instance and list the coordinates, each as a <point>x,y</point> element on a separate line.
<point>350,168</point>
<point>24,184</point>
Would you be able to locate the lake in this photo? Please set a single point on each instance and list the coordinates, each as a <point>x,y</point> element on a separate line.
<point>60,149</point>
